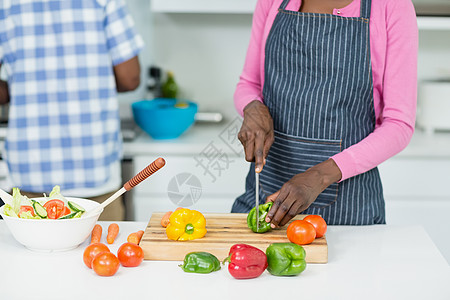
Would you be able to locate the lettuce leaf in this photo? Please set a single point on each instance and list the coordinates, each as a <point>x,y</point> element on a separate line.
<point>55,191</point>
<point>9,211</point>
<point>28,215</point>
<point>17,200</point>
<point>56,194</point>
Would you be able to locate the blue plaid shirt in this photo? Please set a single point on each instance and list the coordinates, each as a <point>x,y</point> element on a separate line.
<point>64,121</point>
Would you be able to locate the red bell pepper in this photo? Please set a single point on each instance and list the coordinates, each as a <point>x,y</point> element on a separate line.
<point>245,261</point>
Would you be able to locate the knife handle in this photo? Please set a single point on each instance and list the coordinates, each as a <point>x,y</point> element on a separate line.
<point>145,173</point>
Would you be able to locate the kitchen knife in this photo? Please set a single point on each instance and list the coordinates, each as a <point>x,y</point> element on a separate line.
<point>257,200</point>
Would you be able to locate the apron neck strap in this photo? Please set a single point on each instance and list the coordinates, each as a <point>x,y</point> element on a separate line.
<point>366,6</point>
<point>284,4</point>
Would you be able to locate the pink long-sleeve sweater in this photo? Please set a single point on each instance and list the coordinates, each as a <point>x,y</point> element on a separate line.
<point>393,48</point>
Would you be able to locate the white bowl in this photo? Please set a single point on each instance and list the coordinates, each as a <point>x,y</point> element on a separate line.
<point>53,235</point>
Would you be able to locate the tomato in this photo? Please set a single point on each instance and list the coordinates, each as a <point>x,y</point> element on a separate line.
<point>91,251</point>
<point>66,211</point>
<point>319,224</point>
<point>25,208</point>
<point>301,232</point>
<point>105,264</point>
<point>130,255</point>
<point>54,208</point>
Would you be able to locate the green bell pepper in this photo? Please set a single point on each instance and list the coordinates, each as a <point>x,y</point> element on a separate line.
<point>263,225</point>
<point>285,259</point>
<point>200,262</point>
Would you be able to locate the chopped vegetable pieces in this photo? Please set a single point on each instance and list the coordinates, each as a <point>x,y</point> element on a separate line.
<point>96,234</point>
<point>113,231</point>
<point>165,219</point>
<point>135,237</point>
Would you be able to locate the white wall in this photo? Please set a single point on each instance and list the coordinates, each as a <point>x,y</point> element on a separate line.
<point>434,54</point>
<point>206,53</point>
<point>140,11</point>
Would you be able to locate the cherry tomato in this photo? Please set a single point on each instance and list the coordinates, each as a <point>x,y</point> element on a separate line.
<point>301,232</point>
<point>130,255</point>
<point>319,224</point>
<point>25,208</point>
<point>54,208</point>
<point>91,251</point>
<point>105,264</point>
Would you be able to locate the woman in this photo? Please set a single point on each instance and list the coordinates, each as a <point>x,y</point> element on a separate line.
<point>328,92</point>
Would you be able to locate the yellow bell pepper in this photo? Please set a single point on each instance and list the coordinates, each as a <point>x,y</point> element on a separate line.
<point>186,225</point>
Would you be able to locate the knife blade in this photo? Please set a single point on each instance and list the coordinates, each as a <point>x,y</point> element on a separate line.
<point>257,200</point>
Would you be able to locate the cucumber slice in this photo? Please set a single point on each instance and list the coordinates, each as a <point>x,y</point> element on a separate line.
<point>78,214</point>
<point>39,209</point>
<point>69,216</point>
<point>75,207</point>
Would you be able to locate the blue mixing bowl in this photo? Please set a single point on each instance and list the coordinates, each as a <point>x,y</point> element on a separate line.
<point>164,118</point>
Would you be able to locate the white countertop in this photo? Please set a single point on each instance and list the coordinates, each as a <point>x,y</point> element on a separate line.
<point>200,135</point>
<point>366,262</point>
<point>193,141</point>
<point>196,138</point>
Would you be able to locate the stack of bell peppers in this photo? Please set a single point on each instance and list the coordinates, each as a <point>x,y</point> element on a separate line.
<point>246,262</point>
<point>280,259</point>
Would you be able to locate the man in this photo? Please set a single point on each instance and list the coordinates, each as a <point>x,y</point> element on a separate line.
<point>65,62</point>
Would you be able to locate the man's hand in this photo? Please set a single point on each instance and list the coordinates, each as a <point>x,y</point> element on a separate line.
<point>256,134</point>
<point>301,191</point>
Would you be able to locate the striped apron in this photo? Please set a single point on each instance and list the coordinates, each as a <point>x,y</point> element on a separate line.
<point>319,91</point>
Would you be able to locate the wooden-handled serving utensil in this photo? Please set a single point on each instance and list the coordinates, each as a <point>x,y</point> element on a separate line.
<point>141,176</point>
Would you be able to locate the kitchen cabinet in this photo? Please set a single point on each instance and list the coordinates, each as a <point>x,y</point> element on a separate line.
<point>203,6</point>
<point>183,182</point>
<point>248,6</point>
<point>415,184</point>
<point>433,23</point>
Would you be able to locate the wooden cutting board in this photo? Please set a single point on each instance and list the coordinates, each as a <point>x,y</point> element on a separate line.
<point>224,230</point>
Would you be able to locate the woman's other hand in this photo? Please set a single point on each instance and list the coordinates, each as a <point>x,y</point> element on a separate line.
<point>301,191</point>
<point>256,134</point>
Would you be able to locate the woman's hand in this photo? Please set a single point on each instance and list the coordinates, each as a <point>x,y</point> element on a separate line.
<point>256,134</point>
<point>301,191</point>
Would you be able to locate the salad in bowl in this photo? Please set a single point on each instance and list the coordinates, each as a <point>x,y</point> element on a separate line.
<point>50,223</point>
<point>55,206</point>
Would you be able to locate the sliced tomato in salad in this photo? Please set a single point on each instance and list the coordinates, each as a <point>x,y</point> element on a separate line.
<point>66,211</point>
<point>25,208</point>
<point>55,208</point>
